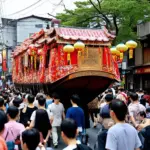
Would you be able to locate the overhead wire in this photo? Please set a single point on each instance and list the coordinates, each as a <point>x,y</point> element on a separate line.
<point>35,8</point>
<point>25,8</point>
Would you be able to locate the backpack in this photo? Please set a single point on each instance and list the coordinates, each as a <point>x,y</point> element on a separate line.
<point>82,147</point>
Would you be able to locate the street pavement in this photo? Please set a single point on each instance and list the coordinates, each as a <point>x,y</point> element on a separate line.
<point>92,132</point>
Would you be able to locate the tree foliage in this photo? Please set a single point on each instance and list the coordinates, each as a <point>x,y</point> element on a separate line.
<point>120,16</point>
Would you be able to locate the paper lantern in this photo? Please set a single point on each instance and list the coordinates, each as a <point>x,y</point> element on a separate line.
<point>113,51</point>
<point>131,45</point>
<point>121,48</point>
<point>4,53</point>
<point>68,49</point>
<point>79,46</point>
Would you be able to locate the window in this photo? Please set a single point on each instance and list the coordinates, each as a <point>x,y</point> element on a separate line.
<point>39,25</point>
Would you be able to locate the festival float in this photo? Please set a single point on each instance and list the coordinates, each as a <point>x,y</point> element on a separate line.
<point>67,61</point>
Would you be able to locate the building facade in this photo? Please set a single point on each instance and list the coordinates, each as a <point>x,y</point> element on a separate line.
<point>14,32</point>
<point>138,74</point>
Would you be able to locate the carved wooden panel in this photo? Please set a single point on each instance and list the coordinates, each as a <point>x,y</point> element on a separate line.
<point>90,58</point>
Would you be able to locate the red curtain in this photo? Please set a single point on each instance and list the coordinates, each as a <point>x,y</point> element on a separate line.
<point>74,56</point>
<point>42,69</point>
<point>105,58</point>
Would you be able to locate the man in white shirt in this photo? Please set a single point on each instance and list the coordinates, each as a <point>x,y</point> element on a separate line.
<point>121,136</point>
<point>57,111</point>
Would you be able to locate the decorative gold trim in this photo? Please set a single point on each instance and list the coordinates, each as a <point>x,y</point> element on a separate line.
<point>91,73</point>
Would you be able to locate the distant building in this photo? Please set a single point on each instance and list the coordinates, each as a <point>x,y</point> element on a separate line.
<point>138,74</point>
<point>14,32</point>
<point>28,25</point>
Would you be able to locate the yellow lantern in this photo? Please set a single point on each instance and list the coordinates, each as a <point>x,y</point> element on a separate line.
<point>113,51</point>
<point>68,49</point>
<point>79,46</point>
<point>4,53</point>
<point>121,48</point>
<point>131,45</point>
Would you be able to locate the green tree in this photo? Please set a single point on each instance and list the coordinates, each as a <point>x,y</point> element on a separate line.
<point>120,16</point>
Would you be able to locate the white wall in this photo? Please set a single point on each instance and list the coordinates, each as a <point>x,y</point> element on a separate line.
<point>9,36</point>
<point>28,26</point>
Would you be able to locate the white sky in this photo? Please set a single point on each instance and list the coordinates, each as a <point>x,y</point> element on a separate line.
<point>40,9</point>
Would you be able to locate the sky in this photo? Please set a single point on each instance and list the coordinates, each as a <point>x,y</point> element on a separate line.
<point>9,7</point>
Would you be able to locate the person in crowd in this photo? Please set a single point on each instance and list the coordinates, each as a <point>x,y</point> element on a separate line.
<point>49,100</point>
<point>107,122</point>
<point>30,139</point>
<point>140,93</point>
<point>27,111</point>
<point>3,121</point>
<point>3,145</point>
<point>76,113</point>
<point>148,112</point>
<point>122,95</point>
<point>69,132</point>
<point>144,122</point>
<point>134,109</point>
<point>121,135</point>
<point>57,110</point>
<point>40,119</point>
<point>36,104</point>
<point>16,102</point>
<point>12,127</point>
<point>93,107</point>
<point>6,100</point>
<point>2,106</point>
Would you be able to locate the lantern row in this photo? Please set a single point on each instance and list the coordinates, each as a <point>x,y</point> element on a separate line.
<point>118,51</point>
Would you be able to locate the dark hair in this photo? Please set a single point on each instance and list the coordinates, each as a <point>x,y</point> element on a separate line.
<point>5,96</point>
<point>121,89</point>
<point>42,122</point>
<point>3,120</point>
<point>148,110</point>
<point>17,101</point>
<point>55,96</point>
<point>75,98</point>
<point>110,90</point>
<point>119,108</point>
<point>30,98</point>
<point>109,97</point>
<point>69,128</point>
<point>142,113</point>
<point>134,96</point>
<point>1,102</point>
<point>31,138</point>
<point>12,111</point>
<point>41,101</point>
<point>24,96</point>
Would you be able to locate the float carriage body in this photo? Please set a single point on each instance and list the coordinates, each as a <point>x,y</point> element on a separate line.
<point>40,62</point>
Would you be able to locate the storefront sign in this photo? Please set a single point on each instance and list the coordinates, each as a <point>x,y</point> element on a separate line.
<point>142,70</point>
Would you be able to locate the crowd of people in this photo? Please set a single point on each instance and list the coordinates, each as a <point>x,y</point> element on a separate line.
<point>125,120</point>
<point>29,122</point>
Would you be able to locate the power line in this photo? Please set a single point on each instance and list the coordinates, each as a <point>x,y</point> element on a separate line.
<point>33,8</point>
<point>25,8</point>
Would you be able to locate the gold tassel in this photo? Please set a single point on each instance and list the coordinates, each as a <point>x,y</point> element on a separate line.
<point>35,62</point>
